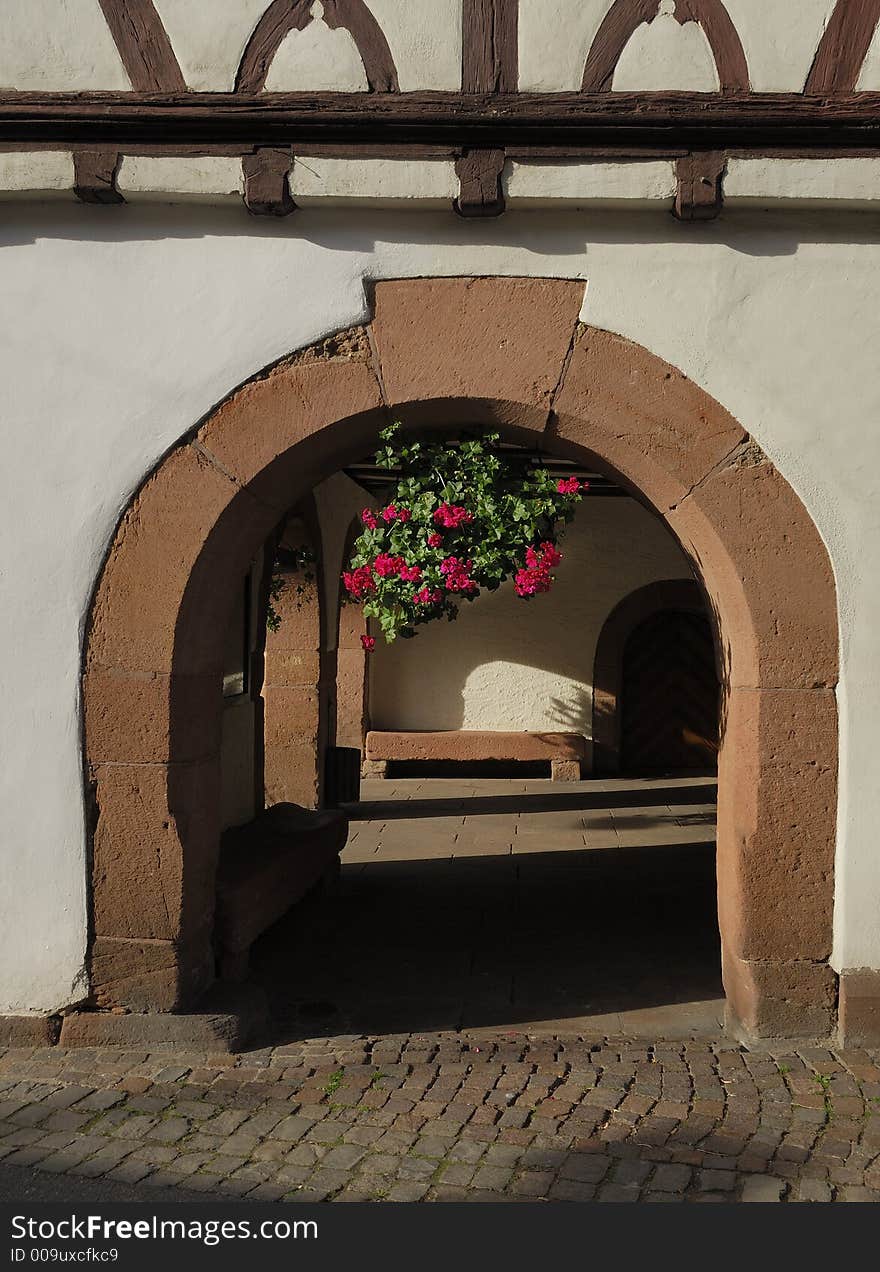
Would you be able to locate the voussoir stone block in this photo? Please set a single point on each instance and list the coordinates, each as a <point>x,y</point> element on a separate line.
<point>767,571</point>
<point>645,418</point>
<point>479,349</point>
<point>777,816</point>
<point>152,563</point>
<point>254,433</point>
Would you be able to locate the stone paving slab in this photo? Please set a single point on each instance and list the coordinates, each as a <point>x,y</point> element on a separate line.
<point>452,1116</point>
<point>504,904</point>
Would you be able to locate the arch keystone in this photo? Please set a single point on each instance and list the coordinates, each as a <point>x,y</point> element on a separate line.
<point>475,349</point>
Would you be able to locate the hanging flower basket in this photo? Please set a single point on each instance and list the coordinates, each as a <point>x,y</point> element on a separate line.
<point>463,516</point>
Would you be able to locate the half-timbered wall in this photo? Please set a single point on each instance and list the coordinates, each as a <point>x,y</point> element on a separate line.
<point>362,45</point>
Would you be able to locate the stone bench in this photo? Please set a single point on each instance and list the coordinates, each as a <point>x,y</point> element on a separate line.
<point>565,752</point>
<point>265,867</point>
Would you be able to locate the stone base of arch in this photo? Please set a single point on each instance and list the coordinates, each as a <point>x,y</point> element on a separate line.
<point>510,352</point>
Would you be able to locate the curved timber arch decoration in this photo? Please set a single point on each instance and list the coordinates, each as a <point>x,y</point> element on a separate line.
<point>284,16</point>
<point>844,47</point>
<point>440,353</point>
<point>625,16</point>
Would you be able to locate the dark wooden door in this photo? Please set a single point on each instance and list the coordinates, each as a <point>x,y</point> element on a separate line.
<point>669,695</point>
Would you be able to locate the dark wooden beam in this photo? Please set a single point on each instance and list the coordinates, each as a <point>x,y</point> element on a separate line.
<point>699,186</point>
<point>95,176</point>
<point>844,47</point>
<point>479,174</point>
<point>489,52</point>
<point>143,46</point>
<point>657,122</point>
<point>266,182</point>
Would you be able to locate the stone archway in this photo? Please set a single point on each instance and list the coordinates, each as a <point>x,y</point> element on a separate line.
<point>439,353</point>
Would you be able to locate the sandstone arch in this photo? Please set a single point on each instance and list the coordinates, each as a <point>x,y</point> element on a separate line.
<point>440,352</point>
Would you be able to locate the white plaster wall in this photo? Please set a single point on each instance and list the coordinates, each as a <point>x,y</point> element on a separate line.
<point>779,40</point>
<point>209,39</point>
<point>173,178</point>
<point>120,330</point>
<point>554,42</point>
<point>317,58</point>
<point>370,182</point>
<point>30,171</point>
<point>869,76</point>
<point>58,46</point>
<point>664,54</point>
<point>65,45</point>
<point>512,664</point>
<point>536,184</point>
<point>765,182</point>
<point>425,41</point>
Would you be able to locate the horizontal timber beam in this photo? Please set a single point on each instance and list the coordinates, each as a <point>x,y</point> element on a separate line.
<point>565,122</point>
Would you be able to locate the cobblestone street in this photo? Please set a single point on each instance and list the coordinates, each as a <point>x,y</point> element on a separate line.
<point>447,1117</point>
<point>513,995</point>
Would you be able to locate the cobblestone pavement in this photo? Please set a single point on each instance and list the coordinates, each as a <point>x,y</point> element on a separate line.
<point>448,1117</point>
<point>523,1082</point>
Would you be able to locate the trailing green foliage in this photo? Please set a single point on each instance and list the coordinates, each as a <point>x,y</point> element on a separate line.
<point>463,516</point>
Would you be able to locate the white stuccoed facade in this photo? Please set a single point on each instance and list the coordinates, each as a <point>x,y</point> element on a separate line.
<point>122,327</point>
<point>776,317</point>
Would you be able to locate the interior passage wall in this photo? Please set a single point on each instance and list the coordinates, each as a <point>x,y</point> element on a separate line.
<point>339,502</point>
<point>512,664</point>
<point>241,718</point>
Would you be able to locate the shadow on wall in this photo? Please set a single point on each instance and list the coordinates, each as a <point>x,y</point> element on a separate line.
<point>771,232</point>
<point>509,664</point>
<point>574,713</point>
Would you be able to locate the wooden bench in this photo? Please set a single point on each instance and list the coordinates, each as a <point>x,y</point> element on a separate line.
<point>265,867</point>
<point>565,752</point>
